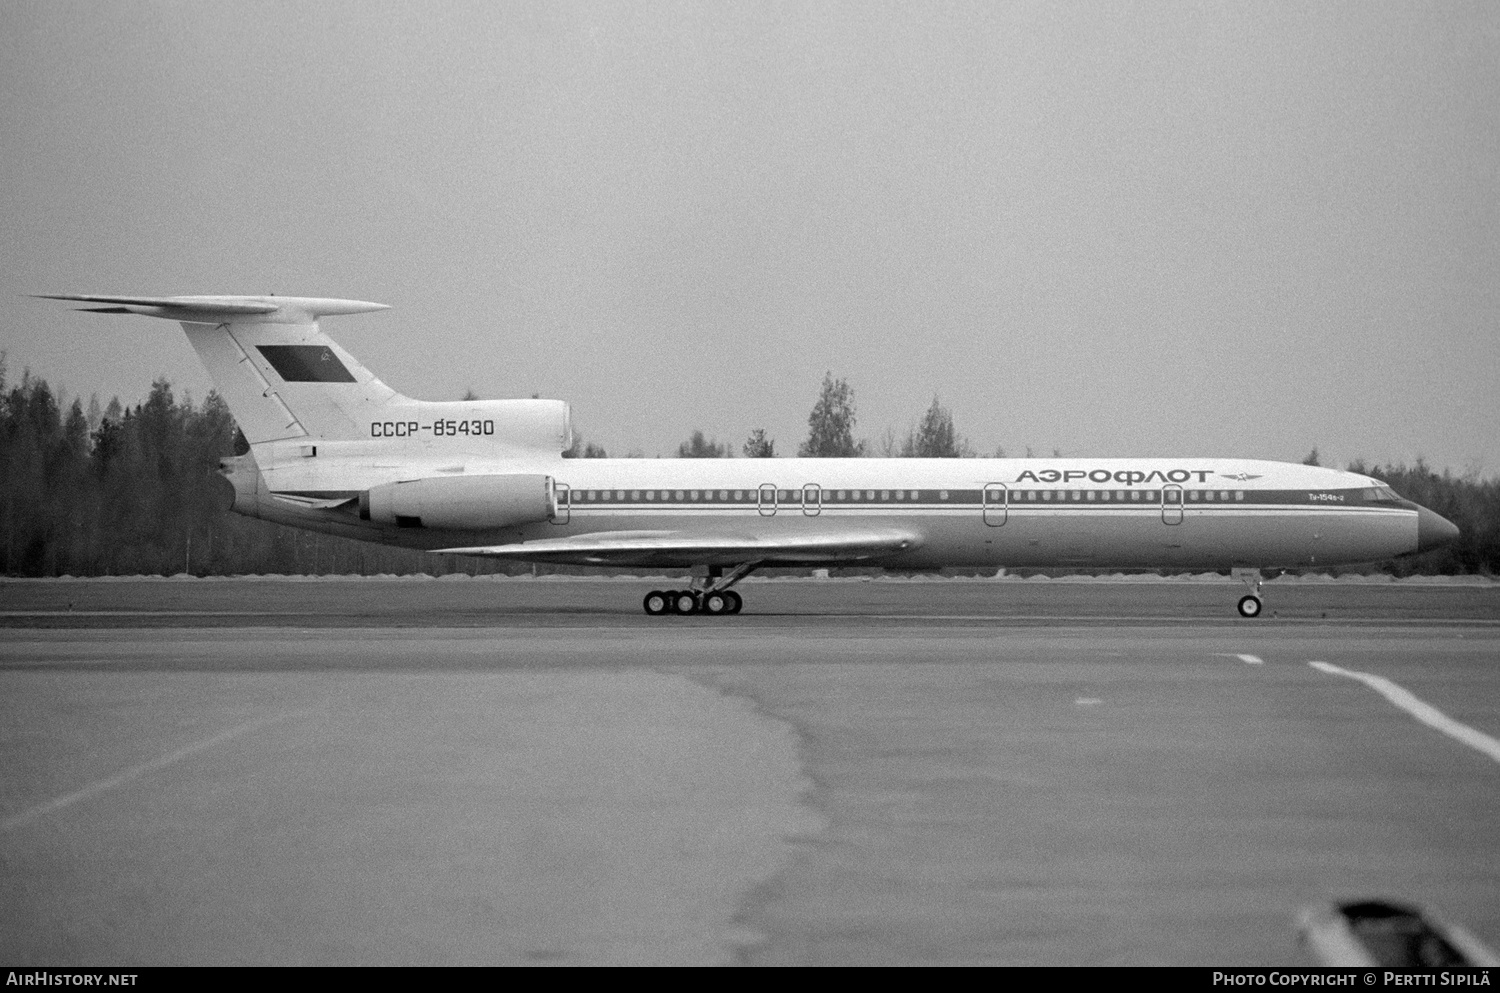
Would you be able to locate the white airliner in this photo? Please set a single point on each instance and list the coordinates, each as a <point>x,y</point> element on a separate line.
<point>334,449</point>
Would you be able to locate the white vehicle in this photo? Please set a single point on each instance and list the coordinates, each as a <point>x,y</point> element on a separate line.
<point>334,449</point>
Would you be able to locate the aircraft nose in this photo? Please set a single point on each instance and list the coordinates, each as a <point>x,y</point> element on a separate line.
<point>1434,530</point>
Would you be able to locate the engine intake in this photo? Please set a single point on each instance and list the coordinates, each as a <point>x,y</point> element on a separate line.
<point>461,502</point>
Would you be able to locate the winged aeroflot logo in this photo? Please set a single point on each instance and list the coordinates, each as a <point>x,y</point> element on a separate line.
<point>1243,477</point>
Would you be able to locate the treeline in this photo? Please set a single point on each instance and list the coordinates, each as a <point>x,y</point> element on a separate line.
<point>830,436</point>
<point>138,492</point>
<point>1471,503</point>
<point>91,491</point>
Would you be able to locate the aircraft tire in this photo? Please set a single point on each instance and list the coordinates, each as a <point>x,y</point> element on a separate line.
<point>735,602</point>
<point>656,603</point>
<point>684,602</point>
<point>715,604</point>
<point>1249,606</point>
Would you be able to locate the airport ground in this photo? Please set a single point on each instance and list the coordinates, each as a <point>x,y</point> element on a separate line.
<point>513,771</point>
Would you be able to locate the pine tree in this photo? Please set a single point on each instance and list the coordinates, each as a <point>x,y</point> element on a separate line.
<point>699,447</point>
<point>934,438</point>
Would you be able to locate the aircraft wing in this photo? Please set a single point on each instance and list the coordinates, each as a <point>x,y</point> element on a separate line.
<point>689,548</point>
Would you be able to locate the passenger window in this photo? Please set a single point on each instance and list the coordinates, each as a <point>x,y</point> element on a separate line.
<point>942,494</point>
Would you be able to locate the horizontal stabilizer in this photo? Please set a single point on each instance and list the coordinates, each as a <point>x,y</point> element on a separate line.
<point>282,377</point>
<point>667,548</point>
<point>215,309</point>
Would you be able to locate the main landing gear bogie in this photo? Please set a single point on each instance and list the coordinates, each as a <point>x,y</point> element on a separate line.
<point>709,594</point>
<point>685,603</point>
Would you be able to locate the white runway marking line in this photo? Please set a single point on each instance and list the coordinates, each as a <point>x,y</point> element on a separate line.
<point>1247,659</point>
<point>136,771</point>
<point>1421,710</point>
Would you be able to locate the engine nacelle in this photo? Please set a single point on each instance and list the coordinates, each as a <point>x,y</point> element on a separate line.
<point>461,502</point>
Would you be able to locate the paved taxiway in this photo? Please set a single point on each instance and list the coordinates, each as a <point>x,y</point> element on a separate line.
<point>857,773</point>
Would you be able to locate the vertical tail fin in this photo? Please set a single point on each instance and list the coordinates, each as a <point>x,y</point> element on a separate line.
<point>282,377</point>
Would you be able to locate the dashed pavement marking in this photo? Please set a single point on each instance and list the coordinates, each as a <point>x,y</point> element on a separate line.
<point>1247,659</point>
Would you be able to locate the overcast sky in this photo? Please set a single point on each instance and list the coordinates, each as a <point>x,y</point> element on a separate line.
<point>1114,229</point>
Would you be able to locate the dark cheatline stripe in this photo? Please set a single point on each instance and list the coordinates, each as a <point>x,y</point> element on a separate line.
<point>306,363</point>
<point>1021,499</point>
<point>957,499</point>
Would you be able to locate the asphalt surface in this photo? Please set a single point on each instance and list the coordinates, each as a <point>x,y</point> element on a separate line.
<point>847,773</point>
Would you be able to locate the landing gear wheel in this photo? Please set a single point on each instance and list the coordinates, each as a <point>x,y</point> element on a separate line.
<point>1249,606</point>
<point>684,602</point>
<point>715,604</point>
<point>735,603</point>
<point>656,603</point>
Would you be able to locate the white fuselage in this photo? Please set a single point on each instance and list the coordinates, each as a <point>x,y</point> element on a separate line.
<point>1092,513</point>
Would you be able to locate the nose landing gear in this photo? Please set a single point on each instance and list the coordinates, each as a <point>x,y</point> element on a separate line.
<point>1249,606</point>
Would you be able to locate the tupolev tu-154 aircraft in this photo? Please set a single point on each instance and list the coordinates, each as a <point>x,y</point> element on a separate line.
<point>333,449</point>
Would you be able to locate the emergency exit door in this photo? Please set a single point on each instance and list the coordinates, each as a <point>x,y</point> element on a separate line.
<point>1171,504</point>
<point>995,504</point>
